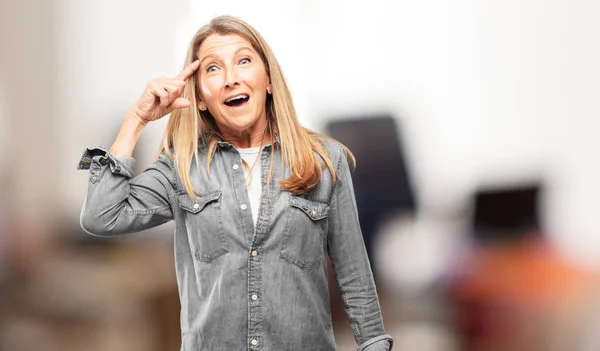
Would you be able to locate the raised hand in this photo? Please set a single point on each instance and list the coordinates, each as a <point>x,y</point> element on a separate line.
<point>163,95</point>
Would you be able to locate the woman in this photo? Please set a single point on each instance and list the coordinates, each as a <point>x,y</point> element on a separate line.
<point>258,202</point>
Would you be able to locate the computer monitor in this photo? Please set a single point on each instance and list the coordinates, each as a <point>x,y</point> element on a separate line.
<point>506,214</point>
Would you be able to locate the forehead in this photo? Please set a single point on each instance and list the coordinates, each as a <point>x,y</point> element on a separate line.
<point>222,44</point>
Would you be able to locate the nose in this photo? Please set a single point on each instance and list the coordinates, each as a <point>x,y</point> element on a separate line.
<point>231,78</point>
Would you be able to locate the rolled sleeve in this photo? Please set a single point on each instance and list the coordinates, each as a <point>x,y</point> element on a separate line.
<point>96,157</point>
<point>379,343</point>
<point>119,203</point>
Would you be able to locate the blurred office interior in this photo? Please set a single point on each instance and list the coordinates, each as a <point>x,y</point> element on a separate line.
<point>474,125</point>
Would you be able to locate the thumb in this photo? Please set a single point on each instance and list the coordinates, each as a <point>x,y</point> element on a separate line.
<point>180,103</point>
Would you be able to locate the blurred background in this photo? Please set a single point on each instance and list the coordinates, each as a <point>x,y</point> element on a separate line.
<point>474,124</point>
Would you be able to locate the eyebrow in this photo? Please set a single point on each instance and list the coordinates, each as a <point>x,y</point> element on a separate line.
<point>215,56</point>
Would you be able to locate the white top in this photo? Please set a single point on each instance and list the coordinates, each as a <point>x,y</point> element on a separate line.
<point>251,155</point>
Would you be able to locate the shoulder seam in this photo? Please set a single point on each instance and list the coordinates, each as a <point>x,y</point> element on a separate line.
<point>339,153</point>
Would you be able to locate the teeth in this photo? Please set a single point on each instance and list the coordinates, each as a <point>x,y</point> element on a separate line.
<point>237,98</point>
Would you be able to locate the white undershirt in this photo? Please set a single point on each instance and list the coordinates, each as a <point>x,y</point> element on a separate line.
<point>250,155</point>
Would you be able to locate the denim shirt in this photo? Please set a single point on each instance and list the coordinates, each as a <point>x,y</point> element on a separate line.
<point>241,287</point>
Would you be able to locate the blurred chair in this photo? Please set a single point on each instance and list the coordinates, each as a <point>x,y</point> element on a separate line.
<point>384,196</point>
<point>381,178</point>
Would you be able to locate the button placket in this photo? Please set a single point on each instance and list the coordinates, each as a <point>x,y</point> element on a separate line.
<point>255,286</point>
<point>255,313</point>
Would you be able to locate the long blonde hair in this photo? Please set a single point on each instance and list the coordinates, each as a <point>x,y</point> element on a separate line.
<point>187,127</point>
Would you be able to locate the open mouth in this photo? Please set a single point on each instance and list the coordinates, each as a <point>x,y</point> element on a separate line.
<point>237,101</point>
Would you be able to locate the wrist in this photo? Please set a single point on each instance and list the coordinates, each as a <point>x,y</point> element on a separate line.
<point>133,116</point>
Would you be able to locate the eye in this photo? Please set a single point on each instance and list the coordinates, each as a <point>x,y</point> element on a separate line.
<point>245,60</point>
<point>211,68</point>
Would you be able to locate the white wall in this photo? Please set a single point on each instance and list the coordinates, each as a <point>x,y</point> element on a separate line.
<point>109,51</point>
<point>28,173</point>
<point>488,92</point>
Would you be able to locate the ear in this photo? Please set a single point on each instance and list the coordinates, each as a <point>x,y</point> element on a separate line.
<point>201,105</point>
<point>269,89</point>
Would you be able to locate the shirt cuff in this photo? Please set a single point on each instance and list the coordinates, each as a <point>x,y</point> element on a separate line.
<point>97,157</point>
<point>380,343</point>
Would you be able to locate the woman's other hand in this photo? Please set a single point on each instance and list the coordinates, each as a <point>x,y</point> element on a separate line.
<point>163,95</point>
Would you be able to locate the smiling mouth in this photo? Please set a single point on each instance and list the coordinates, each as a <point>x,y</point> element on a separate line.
<point>237,101</point>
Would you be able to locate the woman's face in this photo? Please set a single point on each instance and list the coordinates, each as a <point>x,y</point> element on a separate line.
<point>233,82</point>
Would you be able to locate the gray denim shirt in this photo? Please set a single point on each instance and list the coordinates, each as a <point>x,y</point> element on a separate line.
<point>241,287</point>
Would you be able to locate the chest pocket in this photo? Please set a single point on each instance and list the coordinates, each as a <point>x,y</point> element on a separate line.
<point>305,231</point>
<point>203,219</point>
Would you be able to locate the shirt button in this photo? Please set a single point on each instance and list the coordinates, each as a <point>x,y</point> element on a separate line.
<point>314,212</point>
<point>196,206</point>
<point>254,253</point>
<point>236,166</point>
<point>244,207</point>
<point>254,342</point>
<point>254,297</point>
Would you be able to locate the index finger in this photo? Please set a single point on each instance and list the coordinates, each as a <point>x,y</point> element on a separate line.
<point>188,71</point>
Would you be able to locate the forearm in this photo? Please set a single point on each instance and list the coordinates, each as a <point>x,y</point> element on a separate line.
<point>128,136</point>
<point>357,289</point>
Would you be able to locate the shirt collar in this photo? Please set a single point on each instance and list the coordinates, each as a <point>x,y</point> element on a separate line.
<point>224,143</point>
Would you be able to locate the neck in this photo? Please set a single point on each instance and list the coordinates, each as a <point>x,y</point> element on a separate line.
<point>255,136</point>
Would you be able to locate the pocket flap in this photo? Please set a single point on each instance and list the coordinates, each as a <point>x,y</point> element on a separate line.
<point>314,209</point>
<point>196,205</point>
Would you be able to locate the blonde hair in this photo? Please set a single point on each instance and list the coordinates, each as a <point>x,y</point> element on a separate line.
<point>187,127</point>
